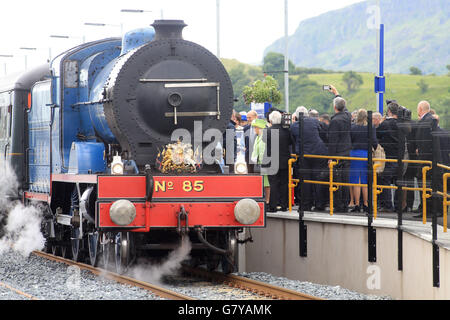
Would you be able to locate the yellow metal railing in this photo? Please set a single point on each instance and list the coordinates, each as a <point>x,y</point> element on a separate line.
<point>445,195</point>
<point>377,189</point>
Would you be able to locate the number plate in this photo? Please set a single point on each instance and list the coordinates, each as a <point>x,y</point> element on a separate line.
<point>185,187</point>
<point>208,187</point>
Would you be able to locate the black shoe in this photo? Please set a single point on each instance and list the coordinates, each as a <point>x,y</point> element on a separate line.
<point>365,209</point>
<point>356,209</point>
<point>271,210</point>
<point>283,209</point>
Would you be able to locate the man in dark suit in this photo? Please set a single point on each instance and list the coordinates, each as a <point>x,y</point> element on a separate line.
<point>387,135</point>
<point>278,138</point>
<point>426,126</point>
<point>312,169</point>
<point>340,144</point>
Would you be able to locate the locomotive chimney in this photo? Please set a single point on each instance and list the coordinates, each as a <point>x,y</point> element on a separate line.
<point>168,29</point>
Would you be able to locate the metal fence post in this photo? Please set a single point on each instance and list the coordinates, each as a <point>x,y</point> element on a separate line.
<point>434,206</point>
<point>401,153</point>
<point>302,229</point>
<point>372,234</point>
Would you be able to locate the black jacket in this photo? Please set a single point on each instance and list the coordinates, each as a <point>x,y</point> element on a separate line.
<point>339,140</point>
<point>387,135</point>
<point>312,142</point>
<point>360,137</point>
<point>424,140</point>
<point>323,133</point>
<point>284,143</point>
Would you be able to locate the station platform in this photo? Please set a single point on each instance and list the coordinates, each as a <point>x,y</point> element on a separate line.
<point>337,253</point>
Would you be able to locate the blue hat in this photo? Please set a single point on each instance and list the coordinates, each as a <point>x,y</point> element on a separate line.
<point>244,117</point>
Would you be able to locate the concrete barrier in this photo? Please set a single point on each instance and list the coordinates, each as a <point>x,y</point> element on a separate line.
<point>338,255</point>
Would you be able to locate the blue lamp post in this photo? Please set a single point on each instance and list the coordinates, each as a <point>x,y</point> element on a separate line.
<point>380,80</point>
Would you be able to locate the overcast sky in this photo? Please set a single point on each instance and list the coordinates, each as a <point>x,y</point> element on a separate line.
<point>247,26</point>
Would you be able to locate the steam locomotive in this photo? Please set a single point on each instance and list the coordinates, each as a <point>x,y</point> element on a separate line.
<point>86,134</point>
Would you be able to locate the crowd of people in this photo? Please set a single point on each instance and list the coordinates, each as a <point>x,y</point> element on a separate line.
<point>345,134</point>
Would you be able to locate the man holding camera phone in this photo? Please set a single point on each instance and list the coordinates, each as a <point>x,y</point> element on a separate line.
<point>340,144</point>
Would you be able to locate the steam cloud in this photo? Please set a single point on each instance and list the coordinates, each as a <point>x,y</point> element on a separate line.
<point>154,273</point>
<point>19,225</point>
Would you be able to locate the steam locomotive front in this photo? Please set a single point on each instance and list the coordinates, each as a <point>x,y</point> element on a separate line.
<point>156,88</point>
<point>149,91</point>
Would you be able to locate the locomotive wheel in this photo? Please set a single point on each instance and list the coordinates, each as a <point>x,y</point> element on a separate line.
<point>93,244</point>
<point>77,253</point>
<point>56,249</point>
<point>230,261</point>
<point>123,251</point>
<point>105,249</point>
<point>66,251</point>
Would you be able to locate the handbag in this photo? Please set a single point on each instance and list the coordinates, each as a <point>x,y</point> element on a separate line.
<point>379,153</point>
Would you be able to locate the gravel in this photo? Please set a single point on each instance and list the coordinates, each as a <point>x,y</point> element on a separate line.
<point>202,289</point>
<point>50,280</point>
<point>317,290</point>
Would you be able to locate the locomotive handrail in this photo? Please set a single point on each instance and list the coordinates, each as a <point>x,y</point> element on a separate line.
<point>172,80</point>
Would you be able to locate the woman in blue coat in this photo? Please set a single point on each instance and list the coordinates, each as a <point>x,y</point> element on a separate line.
<point>358,169</point>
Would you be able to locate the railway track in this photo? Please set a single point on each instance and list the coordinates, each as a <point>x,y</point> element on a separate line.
<point>17,291</point>
<point>251,286</point>
<point>261,288</point>
<point>162,292</point>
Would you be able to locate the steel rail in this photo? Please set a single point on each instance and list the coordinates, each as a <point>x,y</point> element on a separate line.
<point>258,287</point>
<point>29,296</point>
<point>162,292</point>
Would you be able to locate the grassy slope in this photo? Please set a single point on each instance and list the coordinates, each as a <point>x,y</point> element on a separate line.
<point>233,63</point>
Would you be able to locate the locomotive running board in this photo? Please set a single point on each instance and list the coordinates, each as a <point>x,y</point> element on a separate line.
<point>172,80</point>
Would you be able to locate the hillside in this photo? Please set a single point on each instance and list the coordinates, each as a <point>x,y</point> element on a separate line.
<point>416,31</point>
<point>306,90</point>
